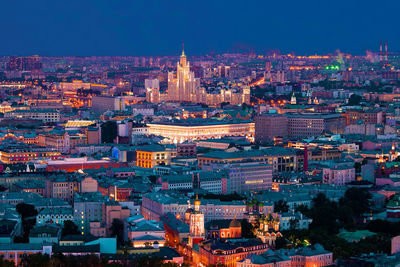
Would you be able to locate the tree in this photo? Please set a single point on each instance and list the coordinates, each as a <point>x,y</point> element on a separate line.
<point>247,229</point>
<point>303,209</point>
<point>28,214</point>
<point>280,242</point>
<point>324,214</point>
<point>36,260</point>
<point>108,132</point>
<point>357,167</point>
<point>152,179</point>
<point>293,224</point>
<point>117,229</point>
<point>358,199</point>
<point>281,206</point>
<point>70,228</point>
<point>5,263</point>
<point>355,100</point>
<point>26,210</point>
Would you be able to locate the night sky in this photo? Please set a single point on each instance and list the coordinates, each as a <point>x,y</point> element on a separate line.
<point>150,27</point>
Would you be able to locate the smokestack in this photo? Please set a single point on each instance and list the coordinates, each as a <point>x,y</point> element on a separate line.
<point>386,51</point>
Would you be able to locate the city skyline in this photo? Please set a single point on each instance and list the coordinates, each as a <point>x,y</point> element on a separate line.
<point>127,28</point>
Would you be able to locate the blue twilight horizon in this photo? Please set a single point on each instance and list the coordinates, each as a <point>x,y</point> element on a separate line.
<point>135,28</point>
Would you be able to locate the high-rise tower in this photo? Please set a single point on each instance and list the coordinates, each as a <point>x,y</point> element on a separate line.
<point>183,86</point>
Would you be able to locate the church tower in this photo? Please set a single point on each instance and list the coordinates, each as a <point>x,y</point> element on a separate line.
<point>197,232</point>
<point>293,100</point>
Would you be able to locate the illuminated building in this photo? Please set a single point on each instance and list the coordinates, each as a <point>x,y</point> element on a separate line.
<point>293,100</point>
<point>54,216</point>
<point>268,229</point>
<point>78,84</point>
<point>143,232</point>
<point>17,152</point>
<point>314,255</point>
<point>267,259</point>
<point>74,164</point>
<point>184,87</point>
<point>196,224</point>
<point>223,229</point>
<point>229,251</point>
<point>249,176</point>
<point>152,87</point>
<point>152,155</point>
<point>55,139</point>
<point>309,256</point>
<point>88,208</point>
<point>156,205</point>
<point>79,123</point>
<point>192,129</point>
<point>374,116</point>
<point>6,107</point>
<point>43,115</point>
<point>94,207</point>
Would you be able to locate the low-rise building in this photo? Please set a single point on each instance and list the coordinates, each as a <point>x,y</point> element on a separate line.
<point>54,216</point>
<point>45,115</point>
<point>339,175</point>
<point>152,155</point>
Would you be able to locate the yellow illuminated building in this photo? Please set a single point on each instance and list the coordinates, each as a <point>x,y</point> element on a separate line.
<point>152,155</point>
<point>78,123</point>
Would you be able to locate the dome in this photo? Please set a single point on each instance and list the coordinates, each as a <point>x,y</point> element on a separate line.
<point>197,202</point>
<point>235,223</point>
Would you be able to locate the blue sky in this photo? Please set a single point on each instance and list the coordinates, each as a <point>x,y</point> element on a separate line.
<point>158,27</point>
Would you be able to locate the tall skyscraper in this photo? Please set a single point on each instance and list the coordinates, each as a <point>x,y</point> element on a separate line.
<point>183,86</point>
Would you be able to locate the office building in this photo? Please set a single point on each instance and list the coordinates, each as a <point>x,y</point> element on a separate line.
<point>313,124</point>
<point>268,126</point>
<point>101,104</point>
<point>45,115</point>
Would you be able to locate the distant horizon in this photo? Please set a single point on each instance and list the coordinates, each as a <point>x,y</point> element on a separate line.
<point>189,54</point>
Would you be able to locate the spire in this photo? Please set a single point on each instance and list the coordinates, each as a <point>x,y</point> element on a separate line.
<point>183,50</point>
<point>197,203</point>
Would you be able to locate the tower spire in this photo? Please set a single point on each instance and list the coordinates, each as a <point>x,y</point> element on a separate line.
<point>183,50</point>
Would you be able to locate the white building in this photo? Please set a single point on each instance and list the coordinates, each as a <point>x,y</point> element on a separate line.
<point>45,115</point>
